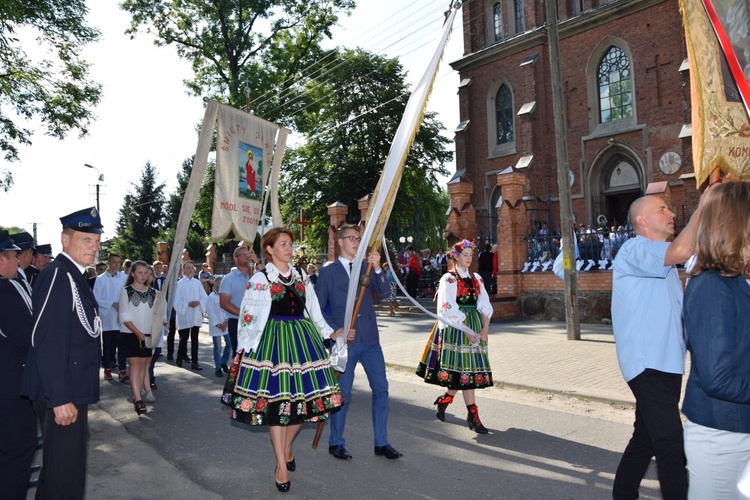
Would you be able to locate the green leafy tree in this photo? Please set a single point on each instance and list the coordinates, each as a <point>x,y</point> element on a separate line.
<point>141,218</point>
<point>234,45</point>
<point>55,89</point>
<point>350,123</point>
<point>200,222</point>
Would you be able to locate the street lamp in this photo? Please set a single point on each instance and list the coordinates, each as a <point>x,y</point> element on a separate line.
<point>98,181</point>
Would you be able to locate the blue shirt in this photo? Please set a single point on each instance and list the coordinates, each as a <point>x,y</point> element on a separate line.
<point>647,309</point>
<point>234,284</point>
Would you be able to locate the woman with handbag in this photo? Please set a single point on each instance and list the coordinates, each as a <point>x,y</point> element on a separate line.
<point>452,358</point>
<point>136,301</point>
<point>281,375</point>
<point>717,299</point>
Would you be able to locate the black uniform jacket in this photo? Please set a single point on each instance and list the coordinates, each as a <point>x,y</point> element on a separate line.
<point>63,364</point>
<point>15,335</point>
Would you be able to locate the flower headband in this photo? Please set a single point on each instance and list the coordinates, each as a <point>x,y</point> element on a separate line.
<point>459,247</point>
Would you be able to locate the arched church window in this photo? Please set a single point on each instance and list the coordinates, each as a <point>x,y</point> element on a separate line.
<point>504,115</point>
<point>615,86</point>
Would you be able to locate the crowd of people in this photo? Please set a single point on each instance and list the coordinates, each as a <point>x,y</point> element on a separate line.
<point>62,325</point>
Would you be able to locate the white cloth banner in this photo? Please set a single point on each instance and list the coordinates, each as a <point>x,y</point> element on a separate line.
<point>244,152</point>
<point>390,179</point>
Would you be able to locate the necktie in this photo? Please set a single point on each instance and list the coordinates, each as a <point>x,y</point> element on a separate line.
<point>351,265</point>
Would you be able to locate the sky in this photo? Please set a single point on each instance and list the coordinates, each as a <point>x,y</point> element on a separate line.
<point>145,114</point>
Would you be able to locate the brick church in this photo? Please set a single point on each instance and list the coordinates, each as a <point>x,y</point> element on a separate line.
<point>625,80</point>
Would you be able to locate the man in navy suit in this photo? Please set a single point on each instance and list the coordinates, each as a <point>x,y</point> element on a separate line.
<point>331,289</point>
<point>62,370</point>
<point>17,421</point>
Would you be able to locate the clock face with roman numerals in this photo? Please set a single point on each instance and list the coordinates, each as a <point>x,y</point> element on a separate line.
<point>670,162</point>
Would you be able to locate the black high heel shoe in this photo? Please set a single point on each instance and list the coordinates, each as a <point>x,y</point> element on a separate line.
<point>282,487</point>
<point>291,465</point>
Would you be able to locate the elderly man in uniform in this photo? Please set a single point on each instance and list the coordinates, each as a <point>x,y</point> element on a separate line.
<point>41,257</point>
<point>62,371</point>
<point>17,420</point>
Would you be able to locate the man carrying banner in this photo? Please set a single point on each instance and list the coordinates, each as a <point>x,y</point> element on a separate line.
<point>331,289</point>
<point>647,323</point>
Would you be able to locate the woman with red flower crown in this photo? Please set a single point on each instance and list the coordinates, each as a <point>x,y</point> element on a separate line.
<point>455,359</point>
<point>281,375</point>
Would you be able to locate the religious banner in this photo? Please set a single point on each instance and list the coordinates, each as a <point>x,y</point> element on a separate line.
<point>718,42</point>
<point>244,155</point>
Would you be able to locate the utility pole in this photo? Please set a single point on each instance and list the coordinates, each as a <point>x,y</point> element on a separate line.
<point>572,319</point>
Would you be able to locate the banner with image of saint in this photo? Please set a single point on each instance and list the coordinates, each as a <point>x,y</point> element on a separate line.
<point>244,150</point>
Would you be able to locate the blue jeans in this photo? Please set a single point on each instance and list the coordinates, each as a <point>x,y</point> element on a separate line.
<point>373,362</point>
<point>219,358</point>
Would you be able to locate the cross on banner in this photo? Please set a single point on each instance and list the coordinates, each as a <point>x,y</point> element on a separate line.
<point>302,223</point>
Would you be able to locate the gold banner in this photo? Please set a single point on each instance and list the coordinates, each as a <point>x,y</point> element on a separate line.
<point>721,126</point>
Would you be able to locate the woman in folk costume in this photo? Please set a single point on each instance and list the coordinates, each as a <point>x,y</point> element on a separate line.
<point>452,358</point>
<point>281,375</point>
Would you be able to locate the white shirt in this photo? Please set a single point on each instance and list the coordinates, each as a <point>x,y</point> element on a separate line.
<point>107,290</point>
<point>216,315</point>
<point>188,290</point>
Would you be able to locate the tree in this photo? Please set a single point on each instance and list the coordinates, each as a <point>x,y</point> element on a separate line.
<point>200,222</point>
<point>141,218</point>
<point>350,122</point>
<point>56,90</point>
<point>263,46</point>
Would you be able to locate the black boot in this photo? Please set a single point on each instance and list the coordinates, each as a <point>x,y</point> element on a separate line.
<point>473,419</point>
<point>442,404</point>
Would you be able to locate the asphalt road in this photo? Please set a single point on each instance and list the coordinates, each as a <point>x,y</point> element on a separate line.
<point>186,447</point>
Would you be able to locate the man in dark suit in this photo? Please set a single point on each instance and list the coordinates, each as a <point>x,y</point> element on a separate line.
<point>61,374</point>
<point>331,289</point>
<point>17,420</point>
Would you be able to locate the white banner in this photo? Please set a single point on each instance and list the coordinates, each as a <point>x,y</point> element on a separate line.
<point>244,152</point>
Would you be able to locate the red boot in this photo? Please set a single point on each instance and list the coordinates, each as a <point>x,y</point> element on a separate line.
<point>442,404</point>
<point>473,419</point>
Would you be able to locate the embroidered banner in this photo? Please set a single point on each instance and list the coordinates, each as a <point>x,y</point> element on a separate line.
<point>244,154</point>
<point>718,42</point>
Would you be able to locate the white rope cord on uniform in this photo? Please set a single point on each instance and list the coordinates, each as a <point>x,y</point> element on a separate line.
<point>25,294</point>
<point>94,331</point>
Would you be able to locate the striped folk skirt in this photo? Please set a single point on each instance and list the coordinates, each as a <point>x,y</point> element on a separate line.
<point>450,360</point>
<point>287,380</point>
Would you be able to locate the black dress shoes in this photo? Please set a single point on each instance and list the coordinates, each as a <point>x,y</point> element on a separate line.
<point>339,452</point>
<point>219,373</point>
<point>225,368</point>
<point>388,451</point>
<point>196,366</point>
<point>179,362</point>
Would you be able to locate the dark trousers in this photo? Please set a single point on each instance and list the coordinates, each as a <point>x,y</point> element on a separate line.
<point>157,353</point>
<point>63,474</point>
<point>111,340</point>
<point>17,446</point>
<point>232,329</point>
<point>182,349</point>
<point>412,282</point>
<point>657,432</point>
<point>170,334</point>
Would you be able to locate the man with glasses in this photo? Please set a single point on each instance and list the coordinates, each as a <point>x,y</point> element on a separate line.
<point>232,290</point>
<point>364,341</point>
